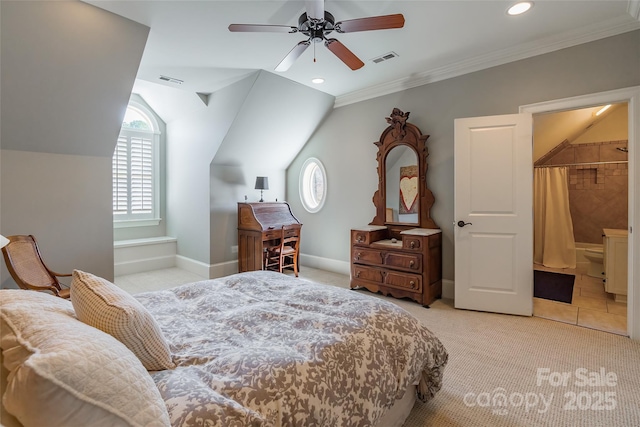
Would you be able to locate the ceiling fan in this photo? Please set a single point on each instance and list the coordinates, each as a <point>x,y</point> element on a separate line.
<point>316,23</point>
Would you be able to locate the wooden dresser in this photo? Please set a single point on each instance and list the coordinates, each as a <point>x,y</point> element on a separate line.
<point>401,264</point>
<point>258,224</point>
<point>400,252</point>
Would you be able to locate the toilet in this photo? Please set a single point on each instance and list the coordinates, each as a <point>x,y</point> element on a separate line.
<point>595,257</point>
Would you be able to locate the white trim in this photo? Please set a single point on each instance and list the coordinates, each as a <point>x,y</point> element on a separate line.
<point>128,223</point>
<point>196,267</point>
<point>223,269</point>
<point>448,289</point>
<point>597,31</point>
<point>630,95</point>
<point>143,242</point>
<point>142,265</point>
<point>304,184</point>
<point>335,266</point>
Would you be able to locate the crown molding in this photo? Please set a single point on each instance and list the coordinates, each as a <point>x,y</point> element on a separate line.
<point>591,33</point>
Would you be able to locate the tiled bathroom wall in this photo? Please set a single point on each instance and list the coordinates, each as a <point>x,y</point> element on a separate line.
<point>598,193</point>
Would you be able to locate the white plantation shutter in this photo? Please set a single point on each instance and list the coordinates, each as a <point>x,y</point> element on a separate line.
<point>136,169</point>
<point>141,175</point>
<point>134,176</point>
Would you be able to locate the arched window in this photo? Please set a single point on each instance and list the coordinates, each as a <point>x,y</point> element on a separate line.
<point>135,169</point>
<point>313,185</point>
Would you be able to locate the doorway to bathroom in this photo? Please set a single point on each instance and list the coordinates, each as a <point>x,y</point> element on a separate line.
<point>581,198</point>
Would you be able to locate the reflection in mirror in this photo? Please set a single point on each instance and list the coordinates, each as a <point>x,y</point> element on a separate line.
<point>402,195</point>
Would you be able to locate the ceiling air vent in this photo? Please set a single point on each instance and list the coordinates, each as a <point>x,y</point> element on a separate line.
<point>385,57</point>
<point>171,80</point>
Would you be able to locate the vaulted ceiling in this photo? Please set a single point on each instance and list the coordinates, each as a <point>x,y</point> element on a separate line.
<point>190,40</point>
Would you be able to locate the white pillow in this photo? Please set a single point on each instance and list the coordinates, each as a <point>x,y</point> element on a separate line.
<point>105,306</point>
<point>64,373</point>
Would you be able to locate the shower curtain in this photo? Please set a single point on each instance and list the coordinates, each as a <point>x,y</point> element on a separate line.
<point>553,241</point>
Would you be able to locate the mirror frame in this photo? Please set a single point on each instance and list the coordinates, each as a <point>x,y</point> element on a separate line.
<point>399,132</point>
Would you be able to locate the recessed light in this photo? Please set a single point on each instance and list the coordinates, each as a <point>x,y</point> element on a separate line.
<point>317,80</point>
<point>519,8</point>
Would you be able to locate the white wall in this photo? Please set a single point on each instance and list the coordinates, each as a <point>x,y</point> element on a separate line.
<point>344,142</point>
<point>67,69</point>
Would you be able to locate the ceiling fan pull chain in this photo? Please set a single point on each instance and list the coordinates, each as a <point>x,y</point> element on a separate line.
<point>314,52</point>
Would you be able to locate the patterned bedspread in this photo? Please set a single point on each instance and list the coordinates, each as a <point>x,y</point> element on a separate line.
<point>266,349</point>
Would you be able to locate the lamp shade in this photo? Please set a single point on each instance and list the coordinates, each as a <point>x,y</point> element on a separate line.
<point>262,183</point>
<point>3,241</point>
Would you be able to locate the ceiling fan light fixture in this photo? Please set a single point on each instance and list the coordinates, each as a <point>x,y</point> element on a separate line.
<point>519,8</point>
<point>317,80</point>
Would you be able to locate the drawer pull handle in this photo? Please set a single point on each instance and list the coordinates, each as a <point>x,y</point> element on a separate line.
<point>412,263</point>
<point>358,273</point>
<point>359,239</point>
<point>413,284</point>
<point>358,255</point>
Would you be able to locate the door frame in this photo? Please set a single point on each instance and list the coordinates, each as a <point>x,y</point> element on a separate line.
<point>631,96</point>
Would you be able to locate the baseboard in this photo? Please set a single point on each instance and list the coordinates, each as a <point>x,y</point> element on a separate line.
<point>335,266</point>
<point>223,269</point>
<point>448,291</point>
<point>142,265</point>
<point>196,267</point>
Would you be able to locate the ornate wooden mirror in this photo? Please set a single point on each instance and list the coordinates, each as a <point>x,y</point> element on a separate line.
<point>403,198</point>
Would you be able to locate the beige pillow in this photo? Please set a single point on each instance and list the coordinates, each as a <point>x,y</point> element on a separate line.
<point>105,306</point>
<point>64,373</point>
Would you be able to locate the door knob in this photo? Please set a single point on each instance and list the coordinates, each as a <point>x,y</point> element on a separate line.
<point>462,223</point>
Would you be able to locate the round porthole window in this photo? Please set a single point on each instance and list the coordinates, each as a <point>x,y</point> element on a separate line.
<point>313,185</point>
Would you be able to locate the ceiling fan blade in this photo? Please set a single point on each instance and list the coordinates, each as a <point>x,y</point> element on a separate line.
<point>293,55</point>
<point>315,9</point>
<point>372,23</point>
<point>344,54</point>
<point>259,28</point>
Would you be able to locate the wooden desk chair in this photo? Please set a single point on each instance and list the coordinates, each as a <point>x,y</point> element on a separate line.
<point>285,253</point>
<point>27,268</point>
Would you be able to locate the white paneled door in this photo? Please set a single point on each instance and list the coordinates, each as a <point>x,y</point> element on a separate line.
<point>494,214</point>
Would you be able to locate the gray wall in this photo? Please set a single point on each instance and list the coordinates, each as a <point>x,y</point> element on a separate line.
<point>67,69</point>
<point>264,139</point>
<point>192,142</point>
<point>214,155</point>
<point>344,142</point>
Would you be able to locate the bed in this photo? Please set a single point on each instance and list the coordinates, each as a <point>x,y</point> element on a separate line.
<point>251,349</point>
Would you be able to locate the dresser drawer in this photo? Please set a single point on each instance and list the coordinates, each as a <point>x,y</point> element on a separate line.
<point>271,235</point>
<point>367,256</point>
<point>391,259</point>
<point>412,243</point>
<point>368,273</point>
<point>383,276</point>
<point>361,237</point>
<point>407,281</point>
<point>411,262</point>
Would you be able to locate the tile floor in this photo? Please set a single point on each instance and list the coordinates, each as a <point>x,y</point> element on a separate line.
<point>591,307</point>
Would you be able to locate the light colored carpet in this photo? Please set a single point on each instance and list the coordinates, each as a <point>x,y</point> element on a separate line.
<point>493,355</point>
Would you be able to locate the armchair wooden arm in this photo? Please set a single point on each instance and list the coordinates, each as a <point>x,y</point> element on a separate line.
<point>27,268</point>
